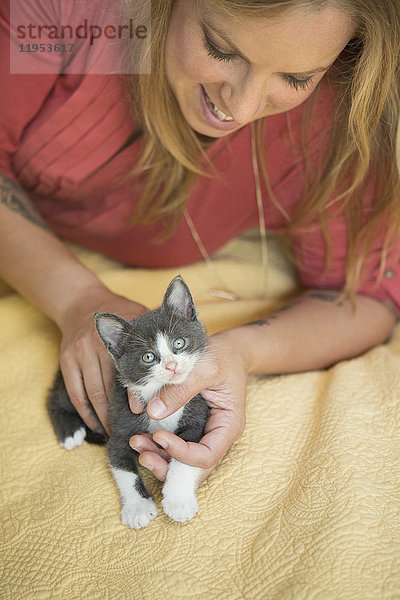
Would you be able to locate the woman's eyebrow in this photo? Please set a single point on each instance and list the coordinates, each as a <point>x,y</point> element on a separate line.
<point>227,39</point>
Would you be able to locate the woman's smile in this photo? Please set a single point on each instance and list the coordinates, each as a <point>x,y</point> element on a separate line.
<point>213,115</point>
<point>221,115</point>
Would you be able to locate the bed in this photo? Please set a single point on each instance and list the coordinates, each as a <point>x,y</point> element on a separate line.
<point>304,506</point>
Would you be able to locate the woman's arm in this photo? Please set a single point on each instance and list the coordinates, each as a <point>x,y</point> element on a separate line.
<point>39,266</point>
<point>34,261</point>
<point>312,332</point>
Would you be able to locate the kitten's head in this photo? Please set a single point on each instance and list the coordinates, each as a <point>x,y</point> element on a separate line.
<point>159,347</point>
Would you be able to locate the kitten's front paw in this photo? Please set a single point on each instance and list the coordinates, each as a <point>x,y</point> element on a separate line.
<point>139,514</point>
<point>181,510</point>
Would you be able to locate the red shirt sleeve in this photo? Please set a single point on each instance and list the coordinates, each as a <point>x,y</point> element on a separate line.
<point>384,286</point>
<point>309,248</point>
<point>21,98</point>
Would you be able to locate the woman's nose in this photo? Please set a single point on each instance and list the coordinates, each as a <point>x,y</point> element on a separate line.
<point>245,99</point>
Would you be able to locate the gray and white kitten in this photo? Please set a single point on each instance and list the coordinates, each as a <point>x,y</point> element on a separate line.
<point>158,348</point>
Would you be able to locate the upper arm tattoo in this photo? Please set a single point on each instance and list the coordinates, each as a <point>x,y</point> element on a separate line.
<point>14,198</point>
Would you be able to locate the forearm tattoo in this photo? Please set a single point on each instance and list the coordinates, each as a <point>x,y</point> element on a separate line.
<point>261,322</point>
<point>323,295</point>
<point>327,296</point>
<point>267,320</point>
<point>14,198</point>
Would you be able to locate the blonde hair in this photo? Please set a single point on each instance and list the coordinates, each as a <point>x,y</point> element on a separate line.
<point>363,141</point>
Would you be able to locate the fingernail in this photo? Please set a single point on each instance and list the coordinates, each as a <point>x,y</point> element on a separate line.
<point>135,403</point>
<point>158,408</point>
<point>145,463</point>
<point>163,443</point>
<point>137,448</point>
<point>100,431</point>
<point>134,445</point>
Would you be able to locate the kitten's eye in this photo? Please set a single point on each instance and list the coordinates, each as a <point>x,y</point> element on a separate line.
<point>148,358</point>
<point>179,344</point>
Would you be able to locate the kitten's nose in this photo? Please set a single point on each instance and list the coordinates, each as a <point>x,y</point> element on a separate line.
<point>171,366</point>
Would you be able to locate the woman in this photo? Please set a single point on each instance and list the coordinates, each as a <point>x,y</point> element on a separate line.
<point>314,85</point>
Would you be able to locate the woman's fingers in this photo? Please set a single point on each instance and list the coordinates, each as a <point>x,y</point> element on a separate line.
<point>87,368</point>
<point>93,379</point>
<point>197,455</point>
<point>85,380</point>
<point>144,443</point>
<point>151,456</point>
<point>221,432</point>
<point>223,428</point>
<point>135,403</point>
<point>72,375</point>
<point>155,463</point>
<point>171,398</point>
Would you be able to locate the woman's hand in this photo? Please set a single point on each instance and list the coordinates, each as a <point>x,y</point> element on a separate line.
<point>85,364</point>
<point>221,377</point>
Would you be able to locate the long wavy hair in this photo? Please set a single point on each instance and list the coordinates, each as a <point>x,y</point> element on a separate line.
<point>367,74</point>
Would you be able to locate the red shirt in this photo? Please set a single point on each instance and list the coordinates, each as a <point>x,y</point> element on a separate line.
<point>60,137</point>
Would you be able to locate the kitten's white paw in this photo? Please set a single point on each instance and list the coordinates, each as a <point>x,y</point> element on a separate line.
<point>139,514</point>
<point>181,510</point>
<point>75,440</point>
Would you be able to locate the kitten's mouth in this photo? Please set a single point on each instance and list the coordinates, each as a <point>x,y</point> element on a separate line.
<point>174,374</point>
<point>177,377</point>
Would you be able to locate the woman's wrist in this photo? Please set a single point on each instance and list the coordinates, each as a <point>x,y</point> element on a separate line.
<point>242,345</point>
<point>313,331</point>
<point>91,297</point>
<point>96,297</point>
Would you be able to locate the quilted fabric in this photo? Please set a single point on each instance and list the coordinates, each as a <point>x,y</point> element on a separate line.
<point>305,505</point>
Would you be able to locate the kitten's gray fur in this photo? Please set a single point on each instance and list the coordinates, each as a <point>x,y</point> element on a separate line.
<point>129,343</point>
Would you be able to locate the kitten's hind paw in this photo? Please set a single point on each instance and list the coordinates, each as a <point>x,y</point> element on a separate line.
<point>75,440</point>
<point>180,510</point>
<point>139,514</point>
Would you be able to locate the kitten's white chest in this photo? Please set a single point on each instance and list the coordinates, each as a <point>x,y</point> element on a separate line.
<point>168,424</point>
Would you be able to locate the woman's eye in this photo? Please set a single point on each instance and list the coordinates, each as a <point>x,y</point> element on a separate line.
<point>291,80</point>
<point>179,344</point>
<point>213,51</point>
<point>296,83</point>
<point>148,358</point>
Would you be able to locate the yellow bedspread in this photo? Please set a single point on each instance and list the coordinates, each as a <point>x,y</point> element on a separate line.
<point>304,506</point>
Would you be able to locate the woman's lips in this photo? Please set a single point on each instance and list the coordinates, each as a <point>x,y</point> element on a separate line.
<point>210,117</point>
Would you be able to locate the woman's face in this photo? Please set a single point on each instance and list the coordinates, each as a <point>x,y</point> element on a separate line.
<point>226,72</point>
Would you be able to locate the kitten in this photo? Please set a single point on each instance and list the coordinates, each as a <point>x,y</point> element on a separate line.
<point>158,348</point>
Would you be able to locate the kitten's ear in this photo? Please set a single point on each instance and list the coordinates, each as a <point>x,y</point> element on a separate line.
<point>179,299</point>
<point>111,330</point>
